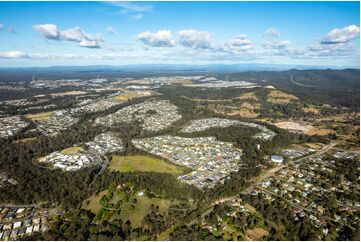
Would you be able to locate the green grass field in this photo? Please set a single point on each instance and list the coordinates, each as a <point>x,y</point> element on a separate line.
<point>134,215</point>
<point>142,163</point>
<point>141,209</point>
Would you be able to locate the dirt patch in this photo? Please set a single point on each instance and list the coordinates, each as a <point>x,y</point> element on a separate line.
<point>70,93</point>
<point>39,116</point>
<point>319,131</point>
<point>311,110</point>
<point>279,97</point>
<point>24,140</point>
<point>248,96</point>
<point>293,126</point>
<point>315,146</point>
<point>246,110</point>
<point>256,233</point>
<point>303,128</point>
<point>128,95</point>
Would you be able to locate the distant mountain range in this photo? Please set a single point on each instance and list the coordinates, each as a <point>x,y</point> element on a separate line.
<point>176,68</point>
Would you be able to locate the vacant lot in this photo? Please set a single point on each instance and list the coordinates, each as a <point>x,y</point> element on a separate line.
<point>303,128</point>
<point>142,163</point>
<point>39,116</point>
<point>256,233</point>
<point>248,96</point>
<point>24,140</point>
<point>311,110</point>
<point>294,126</point>
<point>279,97</point>
<point>72,150</point>
<point>128,95</point>
<point>70,93</point>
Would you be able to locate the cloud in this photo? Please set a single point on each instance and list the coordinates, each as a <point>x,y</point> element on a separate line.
<point>162,38</point>
<point>344,35</point>
<point>134,10</point>
<point>278,45</point>
<point>9,29</point>
<point>195,39</point>
<point>238,43</point>
<point>137,16</point>
<point>50,31</point>
<point>12,30</point>
<point>111,30</point>
<point>132,7</point>
<point>272,32</point>
<point>12,54</point>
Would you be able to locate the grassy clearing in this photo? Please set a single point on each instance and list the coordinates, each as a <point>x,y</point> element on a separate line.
<point>141,209</point>
<point>24,140</point>
<point>92,202</point>
<point>128,95</point>
<point>311,110</point>
<point>142,163</point>
<point>256,233</point>
<point>134,212</point>
<point>39,116</point>
<point>248,96</point>
<point>69,93</point>
<point>71,150</point>
<point>279,97</point>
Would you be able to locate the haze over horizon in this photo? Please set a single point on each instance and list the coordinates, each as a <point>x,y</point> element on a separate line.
<point>41,34</point>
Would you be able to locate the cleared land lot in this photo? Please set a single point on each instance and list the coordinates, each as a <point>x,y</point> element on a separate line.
<point>142,163</point>
<point>248,96</point>
<point>39,116</point>
<point>70,93</point>
<point>256,233</point>
<point>279,97</point>
<point>128,95</point>
<point>72,150</point>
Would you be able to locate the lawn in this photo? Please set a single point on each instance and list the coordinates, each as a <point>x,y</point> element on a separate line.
<point>72,150</point>
<point>142,163</point>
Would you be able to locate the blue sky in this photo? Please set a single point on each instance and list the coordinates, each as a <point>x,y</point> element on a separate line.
<point>118,33</point>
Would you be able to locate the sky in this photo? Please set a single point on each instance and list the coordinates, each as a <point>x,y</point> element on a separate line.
<point>119,33</point>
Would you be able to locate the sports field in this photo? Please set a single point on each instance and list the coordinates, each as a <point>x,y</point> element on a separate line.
<point>142,163</point>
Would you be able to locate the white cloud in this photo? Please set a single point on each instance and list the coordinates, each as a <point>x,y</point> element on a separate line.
<point>89,44</point>
<point>134,10</point>
<point>195,39</point>
<point>50,31</point>
<point>13,54</point>
<point>1,27</point>
<point>132,7</point>
<point>278,45</point>
<point>343,35</point>
<point>238,43</point>
<point>111,30</point>
<point>272,32</point>
<point>137,16</point>
<point>162,38</point>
